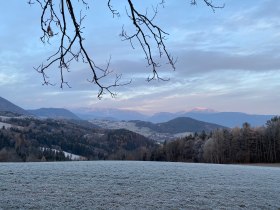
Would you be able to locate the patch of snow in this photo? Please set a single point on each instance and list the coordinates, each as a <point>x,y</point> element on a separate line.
<point>71,156</point>
<point>6,125</point>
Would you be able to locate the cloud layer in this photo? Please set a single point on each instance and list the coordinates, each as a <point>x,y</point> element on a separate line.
<point>227,60</point>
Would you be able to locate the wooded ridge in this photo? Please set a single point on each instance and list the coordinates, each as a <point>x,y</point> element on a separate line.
<point>21,139</point>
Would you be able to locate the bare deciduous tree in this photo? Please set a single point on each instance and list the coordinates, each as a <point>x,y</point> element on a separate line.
<point>58,17</point>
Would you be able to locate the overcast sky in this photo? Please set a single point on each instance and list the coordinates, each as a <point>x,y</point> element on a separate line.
<point>227,61</point>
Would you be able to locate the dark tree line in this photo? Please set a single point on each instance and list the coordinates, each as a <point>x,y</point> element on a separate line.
<point>24,142</point>
<point>237,145</point>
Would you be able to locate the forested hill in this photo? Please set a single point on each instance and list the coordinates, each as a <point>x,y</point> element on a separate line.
<point>238,145</point>
<point>179,125</point>
<point>25,138</point>
<point>8,108</point>
<point>28,139</point>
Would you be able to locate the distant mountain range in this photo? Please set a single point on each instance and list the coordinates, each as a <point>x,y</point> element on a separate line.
<point>230,119</point>
<point>7,108</point>
<point>227,119</point>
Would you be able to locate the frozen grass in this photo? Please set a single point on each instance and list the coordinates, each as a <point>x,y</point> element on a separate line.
<point>137,185</point>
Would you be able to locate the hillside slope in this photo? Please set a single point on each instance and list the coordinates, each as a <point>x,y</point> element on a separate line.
<point>25,140</point>
<point>180,125</point>
<point>54,113</point>
<point>7,107</point>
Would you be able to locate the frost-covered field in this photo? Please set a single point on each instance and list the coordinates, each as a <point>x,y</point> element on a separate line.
<point>137,185</point>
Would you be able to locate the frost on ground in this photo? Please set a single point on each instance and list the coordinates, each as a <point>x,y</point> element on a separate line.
<point>137,185</point>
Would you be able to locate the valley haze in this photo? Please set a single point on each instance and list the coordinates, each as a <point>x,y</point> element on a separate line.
<point>227,119</point>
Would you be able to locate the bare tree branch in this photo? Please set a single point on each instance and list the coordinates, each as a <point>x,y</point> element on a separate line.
<point>55,22</point>
<point>209,4</point>
<point>114,12</point>
<point>54,16</point>
<point>146,31</point>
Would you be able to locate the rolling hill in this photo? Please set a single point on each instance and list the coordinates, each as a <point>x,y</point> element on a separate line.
<point>68,136</point>
<point>179,125</point>
<point>8,108</point>
<point>227,119</point>
<point>160,132</point>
